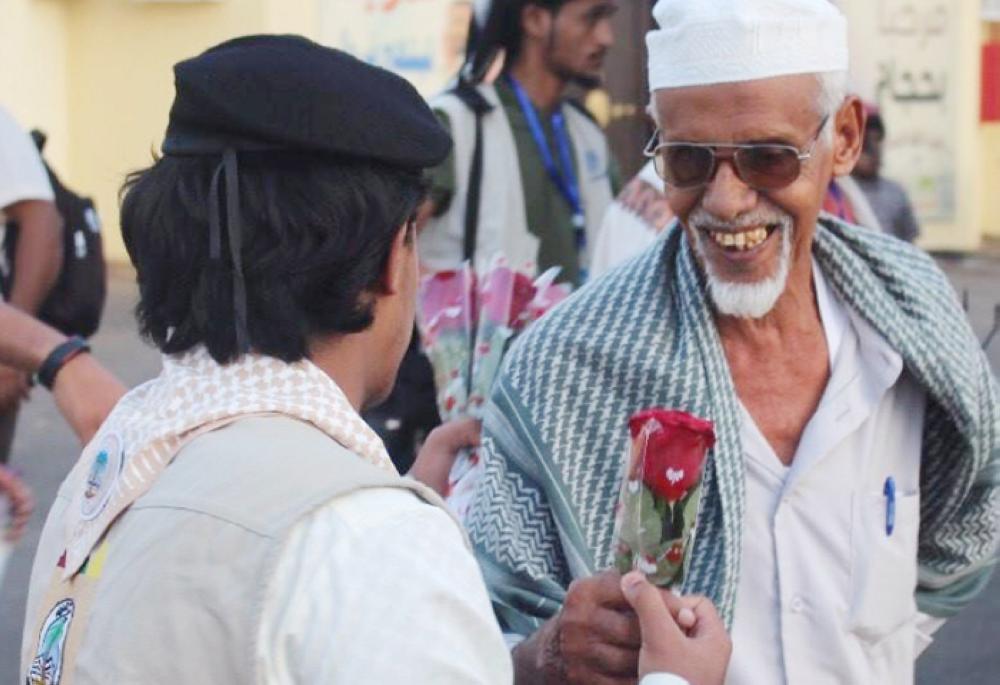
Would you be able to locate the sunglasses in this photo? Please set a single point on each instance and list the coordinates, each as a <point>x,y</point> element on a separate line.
<point>762,166</point>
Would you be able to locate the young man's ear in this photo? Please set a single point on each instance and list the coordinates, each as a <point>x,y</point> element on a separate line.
<point>400,254</point>
<point>536,21</point>
<point>848,135</point>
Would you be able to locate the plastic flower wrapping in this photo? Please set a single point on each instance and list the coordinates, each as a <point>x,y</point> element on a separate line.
<point>467,324</point>
<point>661,490</point>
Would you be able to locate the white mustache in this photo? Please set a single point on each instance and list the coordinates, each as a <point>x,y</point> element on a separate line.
<point>701,219</point>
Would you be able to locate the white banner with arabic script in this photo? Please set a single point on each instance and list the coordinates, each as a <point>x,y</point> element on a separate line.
<point>421,40</point>
<point>905,59</point>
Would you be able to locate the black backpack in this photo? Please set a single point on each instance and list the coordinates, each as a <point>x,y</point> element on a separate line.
<point>75,304</point>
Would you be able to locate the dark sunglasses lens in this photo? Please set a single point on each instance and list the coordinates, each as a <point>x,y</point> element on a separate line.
<point>686,166</point>
<point>767,167</point>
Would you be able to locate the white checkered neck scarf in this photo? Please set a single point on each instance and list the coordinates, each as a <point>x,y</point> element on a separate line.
<point>192,396</point>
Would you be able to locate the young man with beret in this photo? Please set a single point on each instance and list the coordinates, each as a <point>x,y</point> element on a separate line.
<point>234,520</point>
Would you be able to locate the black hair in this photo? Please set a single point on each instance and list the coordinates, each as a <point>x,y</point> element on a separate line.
<point>317,234</point>
<point>510,37</point>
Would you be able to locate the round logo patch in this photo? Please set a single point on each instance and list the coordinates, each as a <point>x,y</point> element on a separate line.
<point>103,475</point>
<point>46,667</point>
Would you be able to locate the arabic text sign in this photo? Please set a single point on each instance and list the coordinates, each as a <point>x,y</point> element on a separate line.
<point>916,89</point>
<point>422,40</point>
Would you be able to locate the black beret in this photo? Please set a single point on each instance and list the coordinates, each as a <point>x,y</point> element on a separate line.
<point>271,92</point>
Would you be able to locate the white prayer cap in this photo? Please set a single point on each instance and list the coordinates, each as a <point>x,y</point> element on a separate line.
<point>701,42</point>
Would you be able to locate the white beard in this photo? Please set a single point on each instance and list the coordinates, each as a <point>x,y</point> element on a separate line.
<point>746,300</point>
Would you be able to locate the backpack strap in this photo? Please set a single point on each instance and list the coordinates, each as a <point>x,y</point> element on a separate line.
<point>477,103</point>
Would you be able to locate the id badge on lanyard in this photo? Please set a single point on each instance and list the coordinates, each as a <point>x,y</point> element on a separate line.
<point>560,173</point>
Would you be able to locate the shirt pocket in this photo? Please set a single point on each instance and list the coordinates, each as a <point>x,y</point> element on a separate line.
<point>883,567</point>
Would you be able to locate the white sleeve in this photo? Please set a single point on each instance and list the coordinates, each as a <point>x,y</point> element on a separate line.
<point>622,235</point>
<point>378,587</point>
<point>22,176</point>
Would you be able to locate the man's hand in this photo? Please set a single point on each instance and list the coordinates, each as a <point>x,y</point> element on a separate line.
<point>685,637</point>
<point>440,450</point>
<point>14,388</point>
<point>647,202</point>
<point>85,393</point>
<point>595,639</point>
<point>15,494</point>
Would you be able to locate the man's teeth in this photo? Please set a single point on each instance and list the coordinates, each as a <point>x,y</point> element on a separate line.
<point>743,240</point>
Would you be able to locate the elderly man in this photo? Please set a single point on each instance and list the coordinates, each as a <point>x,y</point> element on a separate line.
<point>849,504</point>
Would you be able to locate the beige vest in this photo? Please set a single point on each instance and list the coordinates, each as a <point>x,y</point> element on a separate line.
<point>175,592</point>
<point>503,225</point>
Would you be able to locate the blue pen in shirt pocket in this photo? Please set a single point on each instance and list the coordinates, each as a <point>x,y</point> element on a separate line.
<point>890,505</point>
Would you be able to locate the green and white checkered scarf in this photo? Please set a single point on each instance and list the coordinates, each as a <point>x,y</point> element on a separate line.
<point>644,336</point>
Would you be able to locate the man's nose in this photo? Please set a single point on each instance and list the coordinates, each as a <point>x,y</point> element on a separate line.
<point>726,196</point>
<point>605,33</point>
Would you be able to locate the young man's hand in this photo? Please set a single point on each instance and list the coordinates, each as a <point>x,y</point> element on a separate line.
<point>685,637</point>
<point>16,495</point>
<point>438,454</point>
<point>13,388</point>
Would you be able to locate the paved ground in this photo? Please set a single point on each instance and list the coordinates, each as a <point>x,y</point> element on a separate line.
<point>966,649</point>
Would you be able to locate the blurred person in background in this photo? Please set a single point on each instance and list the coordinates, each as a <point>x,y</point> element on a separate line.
<point>529,177</point>
<point>26,198</point>
<point>546,174</point>
<point>84,391</point>
<point>888,199</point>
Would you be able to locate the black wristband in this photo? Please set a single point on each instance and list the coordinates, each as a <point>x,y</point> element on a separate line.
<point>57,359</point>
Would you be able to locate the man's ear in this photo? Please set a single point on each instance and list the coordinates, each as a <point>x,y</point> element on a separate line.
<point>401,252</point>
<point>848,135</point>
<point>536,21</point>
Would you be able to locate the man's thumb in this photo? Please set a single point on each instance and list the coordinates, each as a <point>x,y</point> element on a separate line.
<point>659,630</point>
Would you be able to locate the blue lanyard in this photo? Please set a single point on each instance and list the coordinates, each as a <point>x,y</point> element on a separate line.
<point>563,177</point>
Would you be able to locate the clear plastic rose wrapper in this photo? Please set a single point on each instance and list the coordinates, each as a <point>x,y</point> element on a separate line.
<point>507,302</point>
<point>661,491</point>
<point>446,316</point>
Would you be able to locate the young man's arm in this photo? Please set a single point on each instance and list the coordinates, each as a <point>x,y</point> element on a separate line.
<point>84,391</point>
<point>38,257</point>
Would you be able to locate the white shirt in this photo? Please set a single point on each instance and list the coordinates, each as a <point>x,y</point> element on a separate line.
<point>22,175</point>
<point>825,594</point>
<point>379,587</point>
<point>623,233</point>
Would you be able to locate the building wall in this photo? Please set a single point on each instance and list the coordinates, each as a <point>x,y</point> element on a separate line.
<point>989,143</point>
<point>33,69</point>
<point>121,84</point>
<point>97,77</point>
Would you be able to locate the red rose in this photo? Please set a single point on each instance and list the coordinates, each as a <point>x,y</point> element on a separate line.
<point>673,446</point>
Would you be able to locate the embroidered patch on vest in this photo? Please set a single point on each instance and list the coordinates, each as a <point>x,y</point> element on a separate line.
<point>46,667</point>
<point>102,477</point>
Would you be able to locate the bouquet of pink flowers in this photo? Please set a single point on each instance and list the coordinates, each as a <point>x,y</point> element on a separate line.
<point>446,312</point>
<point>468,324</point>
<point>661,490</point>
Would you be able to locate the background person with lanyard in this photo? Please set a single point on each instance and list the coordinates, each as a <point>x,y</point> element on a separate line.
<point>545,173</point>
<point>530,176</point>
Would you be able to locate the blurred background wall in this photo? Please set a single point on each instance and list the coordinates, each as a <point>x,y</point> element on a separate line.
<point>95,74</point>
